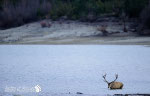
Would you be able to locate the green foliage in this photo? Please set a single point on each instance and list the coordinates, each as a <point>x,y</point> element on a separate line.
<point>118,7</point>
<point>134,7</point>
<point>72,9</point>
<point>60,8</point>
<point>81,8</point>
<point>76,9</point>
<point>145,17</point>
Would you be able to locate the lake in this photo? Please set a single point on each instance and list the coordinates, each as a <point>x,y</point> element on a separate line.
<point>67,69</point>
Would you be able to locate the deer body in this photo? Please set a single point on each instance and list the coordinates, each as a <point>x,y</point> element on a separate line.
<point>116,85</point>
<point>113,85</point>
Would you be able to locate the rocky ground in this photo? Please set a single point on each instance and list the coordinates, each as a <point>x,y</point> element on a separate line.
<point>72,32</point>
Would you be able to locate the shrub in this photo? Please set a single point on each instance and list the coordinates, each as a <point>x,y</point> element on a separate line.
<point>60,8</point>
<point>134,7</point>
<point>22,11</point>
<point>18,12</point>
<point>145,21</point>
<point>145,16</point>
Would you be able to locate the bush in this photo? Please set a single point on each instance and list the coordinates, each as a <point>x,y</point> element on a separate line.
<point>133,8</point>
<point>60,8</point>
<point>145,21</point>
<point>145,16</point>
<point>78,9</point>
<point>18,12</point>
<point>22,11</point>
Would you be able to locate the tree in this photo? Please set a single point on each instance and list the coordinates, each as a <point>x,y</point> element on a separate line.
<point>145,21</point>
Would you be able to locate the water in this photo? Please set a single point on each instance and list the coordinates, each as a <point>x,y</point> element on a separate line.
<point>74,68</point>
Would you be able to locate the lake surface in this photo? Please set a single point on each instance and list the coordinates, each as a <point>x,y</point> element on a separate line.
<point>65,69</point>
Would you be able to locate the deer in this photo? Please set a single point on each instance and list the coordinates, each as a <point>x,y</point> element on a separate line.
<point>103,30</point>
<point>113,85</point>
<point>45,24</point>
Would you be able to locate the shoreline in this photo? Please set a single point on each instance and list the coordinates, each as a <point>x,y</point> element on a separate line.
<point>72,32</point>
<point>87,41</point>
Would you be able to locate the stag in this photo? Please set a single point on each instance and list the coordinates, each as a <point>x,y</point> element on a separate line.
<point>113,85</point>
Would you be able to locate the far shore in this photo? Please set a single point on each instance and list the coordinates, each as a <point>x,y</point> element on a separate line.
<point>73,32</point>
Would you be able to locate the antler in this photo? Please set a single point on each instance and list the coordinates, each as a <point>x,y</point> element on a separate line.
<point>105,79</point>
<point>116,75</point>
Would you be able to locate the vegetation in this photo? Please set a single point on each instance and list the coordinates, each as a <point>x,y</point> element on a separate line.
<point>75,9</point>
<point>134,7</point>
<point>18,12</point>
<point>145,21</point>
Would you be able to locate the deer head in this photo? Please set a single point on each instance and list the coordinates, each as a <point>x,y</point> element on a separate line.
<point>113,84</point>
